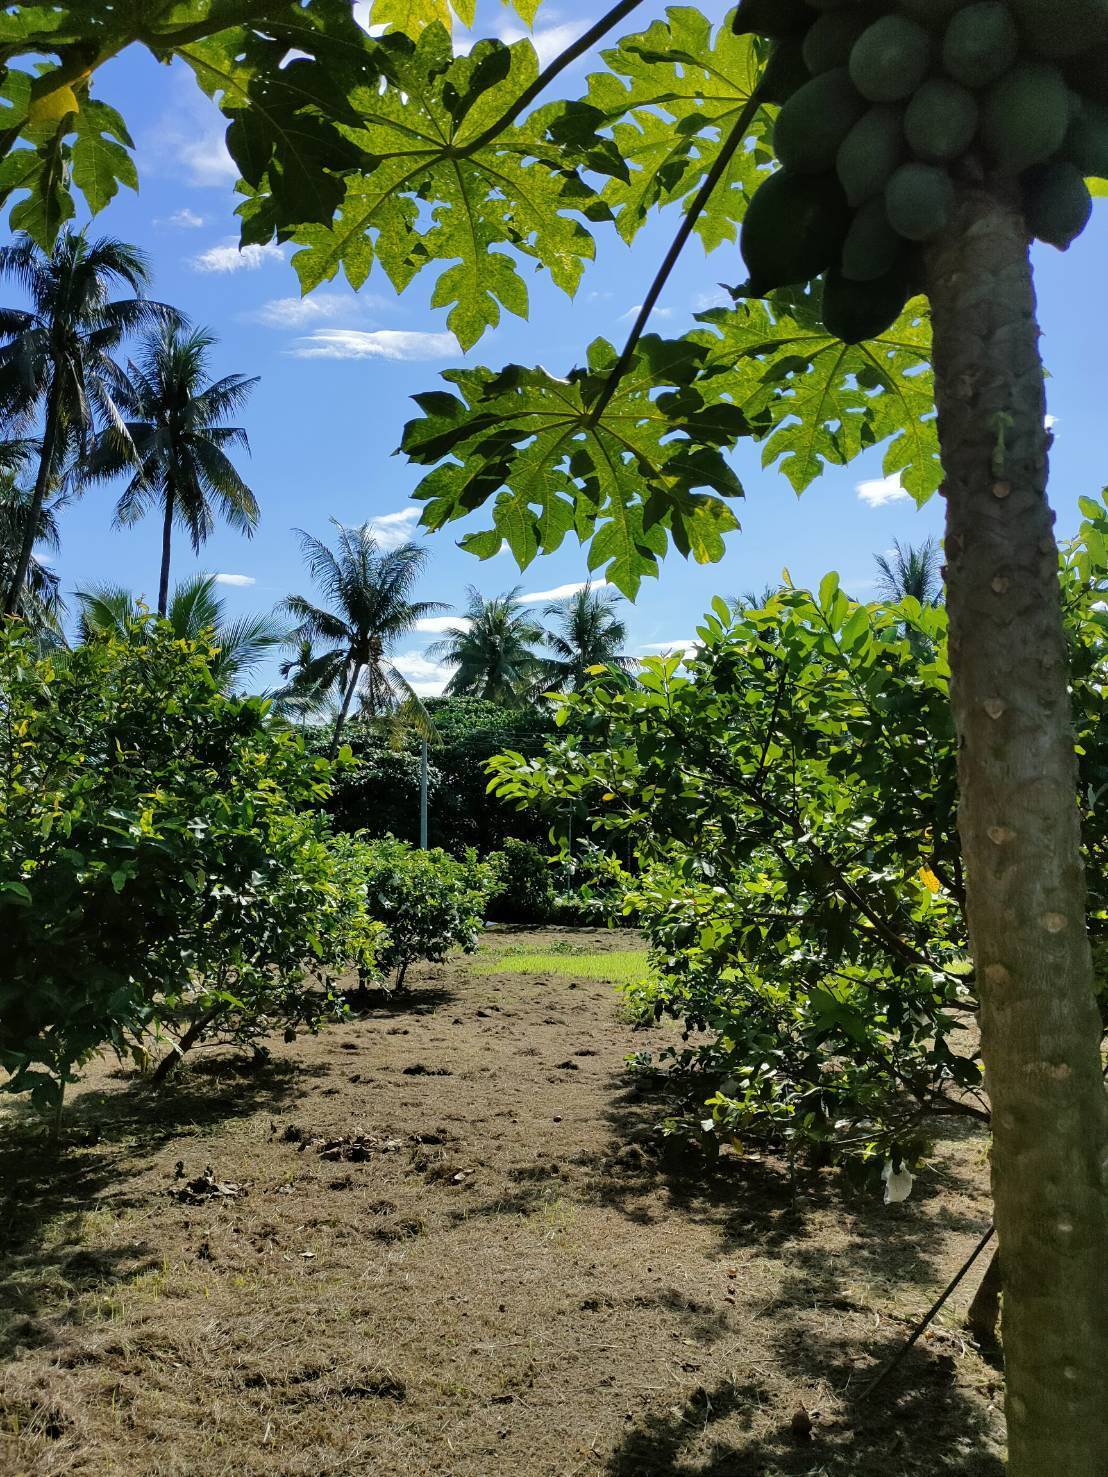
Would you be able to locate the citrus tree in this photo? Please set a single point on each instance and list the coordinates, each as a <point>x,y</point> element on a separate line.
<point>976,126</point>
<point>162,866</point>
<point>792,793</point>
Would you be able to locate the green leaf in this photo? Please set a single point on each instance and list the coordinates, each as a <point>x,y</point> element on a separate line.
<point>828,589</point>
<point>365,151</point>
<point>625,482</point>
<point>669,99</point>
<point>49,204</point>
<point>100,162</point>
<point>819,401</point>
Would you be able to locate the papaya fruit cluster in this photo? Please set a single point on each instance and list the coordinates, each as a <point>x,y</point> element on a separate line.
<point>880,102</point>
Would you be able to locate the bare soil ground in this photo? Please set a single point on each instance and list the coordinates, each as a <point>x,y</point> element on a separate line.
<point>494,1273</point>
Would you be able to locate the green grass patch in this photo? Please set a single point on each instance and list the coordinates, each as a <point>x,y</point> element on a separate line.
<point>619,967</point>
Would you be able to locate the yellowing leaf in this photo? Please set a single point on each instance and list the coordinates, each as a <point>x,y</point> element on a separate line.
<point>929,880</point>
<point>53,106</point>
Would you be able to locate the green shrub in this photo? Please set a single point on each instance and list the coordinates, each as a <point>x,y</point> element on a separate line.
<point>524,888</point>
<point>162,865</point>
<point>793,792</point>
<point>596,888</point>
<point>429,902</point>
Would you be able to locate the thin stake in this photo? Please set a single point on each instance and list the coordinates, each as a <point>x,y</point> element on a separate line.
<point>925,1321</point>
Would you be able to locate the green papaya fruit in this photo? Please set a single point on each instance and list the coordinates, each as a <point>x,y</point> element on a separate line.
<point>890,59</point>
<point>815,120</point>
<point>872,149</point>
<point>784,73</point>
<point>931,13</point>
<point>941,120</point>
<point>981,43</point>
<point>1056,202</point>
<point>871,248</point>
<point>831,37</point>
<point>856,311</point>
<point>1086,142</point>
<point>1087,74</point>
<point>1058,28</point>
<point>793,229</point>
<point>1025,115</point>
<point>919,201</point>
<point>772,18</point>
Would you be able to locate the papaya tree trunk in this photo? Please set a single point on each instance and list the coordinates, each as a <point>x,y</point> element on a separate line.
<point>1019,828</point>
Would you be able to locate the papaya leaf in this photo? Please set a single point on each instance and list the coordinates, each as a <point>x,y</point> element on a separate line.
<point>101,162</point>
<point>821,401</point>
<point>669,98</point>
<point>396,172</point>
<point>648,470</point>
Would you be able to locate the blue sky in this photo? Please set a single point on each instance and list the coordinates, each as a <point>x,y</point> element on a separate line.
<point>336,370</point>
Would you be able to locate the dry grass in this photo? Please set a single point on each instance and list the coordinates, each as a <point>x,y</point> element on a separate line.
<point>508,1279</point>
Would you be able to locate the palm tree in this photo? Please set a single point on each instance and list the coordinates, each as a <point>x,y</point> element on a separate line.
<point>492,650</point>
<point>588,634</point>
<point>754,599</point>
<point>911,571</point>
<point>41,605</point>
<point>195,611</point>
<point>174,443</point>
<point>369,591</point>
<point>57,355</point>
<point>310,681</point>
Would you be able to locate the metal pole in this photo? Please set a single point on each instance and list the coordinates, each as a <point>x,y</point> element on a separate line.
<point>423,795</point>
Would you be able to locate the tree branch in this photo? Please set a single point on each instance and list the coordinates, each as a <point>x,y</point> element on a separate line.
<point>739,131</point>
<point>578,48</point>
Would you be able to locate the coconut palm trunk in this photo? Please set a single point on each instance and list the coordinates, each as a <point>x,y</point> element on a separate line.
<point>344,710</point>
<point>14,594</point>
<point>1018,820</point>
<point>167,546</point>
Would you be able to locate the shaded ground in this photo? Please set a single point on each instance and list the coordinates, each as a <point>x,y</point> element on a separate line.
<point>493,1273</point>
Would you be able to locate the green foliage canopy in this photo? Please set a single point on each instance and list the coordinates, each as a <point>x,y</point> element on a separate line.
<point>794,792</point>
<point>391,151</point>
<point>158,858</point>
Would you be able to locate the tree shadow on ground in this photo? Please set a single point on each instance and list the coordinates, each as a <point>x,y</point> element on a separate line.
<point>757,1204</point>
<point>48,1191</point>
<point>904,1432</point>
<point>383,1004</point>
<point>759,1198</point>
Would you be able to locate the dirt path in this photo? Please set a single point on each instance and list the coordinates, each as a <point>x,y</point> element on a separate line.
<point>504,1279</point>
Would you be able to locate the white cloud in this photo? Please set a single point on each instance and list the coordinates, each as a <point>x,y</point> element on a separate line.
<point>381,343</point>
<point>719,298</point>
<point>235,579</point>
<point>294,312</point>
<point>227,257</point>
<point>393,529</point>
<point>560,592</point>
<point>548,41</point>
<point>633,312</point>
<point>884,490</point>
<point>685,646</point>
<point>436,625</point>
<point>205,160</point>
<point>185,218</point>
<point>428,678</point>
